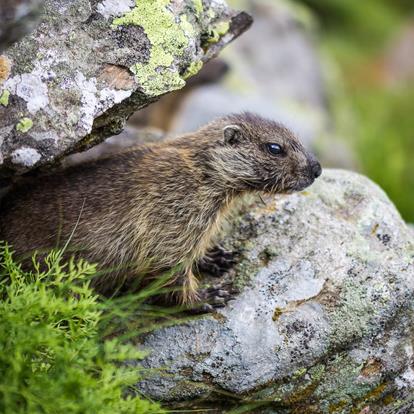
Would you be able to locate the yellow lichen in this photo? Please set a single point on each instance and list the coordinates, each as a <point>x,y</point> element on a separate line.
<point>4,98</point>
<point>168,41</point>
<point>24,125</point>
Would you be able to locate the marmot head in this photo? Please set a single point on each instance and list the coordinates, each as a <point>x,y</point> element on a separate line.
<point>254,153</point>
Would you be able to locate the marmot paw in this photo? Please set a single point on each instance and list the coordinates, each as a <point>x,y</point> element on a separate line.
<point>217,262</point>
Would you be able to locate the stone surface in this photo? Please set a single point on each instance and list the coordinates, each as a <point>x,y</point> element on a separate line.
<point>324,320</point>
<point>90,64</point>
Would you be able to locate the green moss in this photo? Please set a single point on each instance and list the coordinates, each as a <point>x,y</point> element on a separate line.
<point>188,388</point>
<point>168,40</point>
<point>24,125</point>
<point>4,98</point>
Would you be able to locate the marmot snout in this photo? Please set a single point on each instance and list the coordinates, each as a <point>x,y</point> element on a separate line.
<point>149,209</point>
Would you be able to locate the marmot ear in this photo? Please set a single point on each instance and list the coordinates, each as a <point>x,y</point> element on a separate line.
<point>232,134</point>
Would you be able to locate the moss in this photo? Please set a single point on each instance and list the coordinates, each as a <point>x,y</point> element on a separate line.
<point>317,372</point>
<point>4,98</point>
<point>245,272</point>
<point>168,40</point>
<point>340,384</point>
<point>24,125</point>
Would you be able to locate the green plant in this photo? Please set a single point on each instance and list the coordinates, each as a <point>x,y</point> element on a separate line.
<point>53,358</point>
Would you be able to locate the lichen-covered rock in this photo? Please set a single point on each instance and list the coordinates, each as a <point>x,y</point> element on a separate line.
<point>324,320</point>
<point>91,63</point>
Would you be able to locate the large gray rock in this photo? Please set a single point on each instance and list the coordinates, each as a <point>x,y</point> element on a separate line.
<point>91,63</point>
<point>324,321</point>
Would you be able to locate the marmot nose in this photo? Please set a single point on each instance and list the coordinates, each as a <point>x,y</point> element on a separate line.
<point>316,169</point>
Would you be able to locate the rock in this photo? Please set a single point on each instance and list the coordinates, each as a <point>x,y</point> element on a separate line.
<point>90,64</point>
<point>323,323</point>
<point>128,138</point>
<point>17,18</point>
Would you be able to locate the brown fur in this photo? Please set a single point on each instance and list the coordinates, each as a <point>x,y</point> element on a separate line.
<point>157,206</point>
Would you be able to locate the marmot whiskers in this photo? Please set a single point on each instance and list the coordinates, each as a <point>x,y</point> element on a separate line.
<point>157,206</point>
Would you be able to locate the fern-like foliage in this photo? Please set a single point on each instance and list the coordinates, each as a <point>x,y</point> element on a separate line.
<point>52,355</point>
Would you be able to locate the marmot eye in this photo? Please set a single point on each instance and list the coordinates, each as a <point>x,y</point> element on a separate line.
<point>274,149</point>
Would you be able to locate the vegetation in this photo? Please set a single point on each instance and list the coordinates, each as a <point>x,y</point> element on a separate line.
<point>373,113</point>
<point>57,354</point>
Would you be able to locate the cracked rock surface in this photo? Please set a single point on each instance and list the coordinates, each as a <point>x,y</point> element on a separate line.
<point>90,64</point>
<point>324,320</point>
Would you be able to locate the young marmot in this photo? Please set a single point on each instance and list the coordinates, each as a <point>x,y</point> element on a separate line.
<point>156,207</point>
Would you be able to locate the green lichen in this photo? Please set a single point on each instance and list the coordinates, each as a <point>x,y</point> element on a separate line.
<point>299,373</point>
<point>24,125</point>
<point>353,316</point>
<point>198,5</point>
<point>193,69</point>
<point>186,26</point>
<point>340,382</point>
<point>217,31</point>
<point>168,40</point>
<point>4,98</point>
<point>317,371</point>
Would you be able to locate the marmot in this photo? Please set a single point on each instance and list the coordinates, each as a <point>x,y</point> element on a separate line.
<point>156,206</point>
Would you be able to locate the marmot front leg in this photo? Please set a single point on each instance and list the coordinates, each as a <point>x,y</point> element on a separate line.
<point>204,299</point>
<point>216,262</point>
<point>189,288</point>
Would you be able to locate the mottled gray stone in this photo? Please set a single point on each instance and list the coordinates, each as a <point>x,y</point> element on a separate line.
<point>90,64</point>
<point>324,319</point>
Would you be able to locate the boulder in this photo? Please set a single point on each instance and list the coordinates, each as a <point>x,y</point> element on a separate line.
<point>323,323</point>
<point>91,63</point>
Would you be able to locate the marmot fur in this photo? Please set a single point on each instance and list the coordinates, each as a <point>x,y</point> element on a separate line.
<point>157,206</point>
